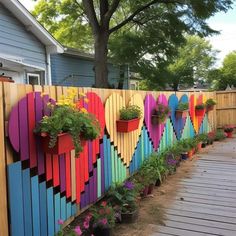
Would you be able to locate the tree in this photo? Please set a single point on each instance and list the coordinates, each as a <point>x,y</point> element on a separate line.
<point>190,65</point>
<point>109,16</point>
<point>226,75</point>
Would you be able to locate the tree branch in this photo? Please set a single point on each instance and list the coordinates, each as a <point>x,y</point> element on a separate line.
<point>114,5</point>
<point>103,8</point>
<point>139,10</point>
<point>90,12</point>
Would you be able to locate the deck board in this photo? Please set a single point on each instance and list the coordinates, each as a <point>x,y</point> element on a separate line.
<point>205,203</point>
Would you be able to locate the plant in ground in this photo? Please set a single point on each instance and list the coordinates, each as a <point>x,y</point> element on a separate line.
<point>130,112</point>
<point>68,117</point>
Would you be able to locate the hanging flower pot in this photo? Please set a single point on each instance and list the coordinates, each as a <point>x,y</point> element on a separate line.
<point>125,126</point>
<point>157,120</point>
<point>209,108</point>
<point>199,112</point>
<point>63,144</point>
<point>181,114</point>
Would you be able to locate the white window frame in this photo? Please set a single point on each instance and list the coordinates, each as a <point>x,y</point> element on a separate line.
<point>33,75</point>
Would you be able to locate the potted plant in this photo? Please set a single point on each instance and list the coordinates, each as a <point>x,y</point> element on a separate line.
<point>160,114</point>
<point>103,219</point>
<point>66,127</point>
<point>199,109</point>
<point>124,197</point>
<point>182,110</point>
<point>211,137</point>
<point>228,129</point>
<point>203,138</point>
<point>220,135</point>
<point>210,103</point>
<point>129,119</point>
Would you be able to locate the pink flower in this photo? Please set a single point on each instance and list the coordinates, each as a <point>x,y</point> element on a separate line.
<point>60,222</point>
<point>78,230</point>
<point>104,203</point>
<point>104,221</point>
<point>86,224</point>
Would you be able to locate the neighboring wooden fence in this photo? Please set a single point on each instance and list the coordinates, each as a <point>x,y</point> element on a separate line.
<point>37,189</point>
<point>226,108</point>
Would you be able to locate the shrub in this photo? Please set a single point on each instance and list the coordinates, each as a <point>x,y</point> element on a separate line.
<point>210,102</point>
<point>183,106</point>
<point>130,112</point>
<point>162,111</point>
<point>200,107</point>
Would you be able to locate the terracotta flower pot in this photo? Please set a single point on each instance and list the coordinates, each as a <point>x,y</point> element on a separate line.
<point>199,147</point>
<point>199,112</point>
<point>209,108</point>
<point>181,114</point>
<point>150,188</point>
<point>229,134</point>
<point>125,126</point>
<point>190,153</point>
<point>64,144</point>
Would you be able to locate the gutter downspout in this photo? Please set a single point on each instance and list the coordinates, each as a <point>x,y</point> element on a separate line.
<point>49,73</point>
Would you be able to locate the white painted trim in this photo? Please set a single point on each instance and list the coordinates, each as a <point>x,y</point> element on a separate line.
<point>23,15</point>
<point>32,74</point>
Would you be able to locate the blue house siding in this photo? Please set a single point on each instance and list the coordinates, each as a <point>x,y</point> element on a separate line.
<point>16,41</point>
<point>75,71</point>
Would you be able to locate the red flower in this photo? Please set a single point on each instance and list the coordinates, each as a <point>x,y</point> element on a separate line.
<point>104,203</point>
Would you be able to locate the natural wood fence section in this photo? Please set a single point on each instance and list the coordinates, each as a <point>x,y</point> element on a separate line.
<point>119,155</point>
<point>226,108</point>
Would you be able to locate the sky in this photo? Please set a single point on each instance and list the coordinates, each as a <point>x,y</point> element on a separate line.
<point>225,42</point>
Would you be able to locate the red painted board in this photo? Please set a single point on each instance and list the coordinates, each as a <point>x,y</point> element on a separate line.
<point>31,126</point>
<point>77,175</point>
<point>55,165</point>
<point>49,174</point>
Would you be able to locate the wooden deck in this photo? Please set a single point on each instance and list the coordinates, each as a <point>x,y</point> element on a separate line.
<point>206,202</point>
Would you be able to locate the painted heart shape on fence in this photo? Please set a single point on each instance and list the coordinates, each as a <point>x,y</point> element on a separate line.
<point>196,120</point>
<point>125,142</point>
<point>179,123</point>
<point>155,131</point>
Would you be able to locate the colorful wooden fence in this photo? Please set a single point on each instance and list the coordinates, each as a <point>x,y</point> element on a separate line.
<point>43,188</point>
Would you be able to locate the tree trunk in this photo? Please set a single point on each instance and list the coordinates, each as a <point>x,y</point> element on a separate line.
<point>101,51</point>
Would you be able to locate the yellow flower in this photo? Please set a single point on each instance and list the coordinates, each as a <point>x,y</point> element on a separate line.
<point>84,110</point>
<point>86,100</point>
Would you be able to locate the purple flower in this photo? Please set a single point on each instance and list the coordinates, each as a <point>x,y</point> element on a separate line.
<point>60,222</point>
<point>78,230</point>
<point>86,224</point>
<point>129,185</point>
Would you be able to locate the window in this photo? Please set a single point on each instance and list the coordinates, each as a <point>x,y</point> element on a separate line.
<point>33,79</point>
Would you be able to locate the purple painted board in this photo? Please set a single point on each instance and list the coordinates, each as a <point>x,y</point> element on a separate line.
<point>23,128</point>
<point>13,129</point>
<point>95,188</point>
<point>46,110</point>
<point>62,173</point>
<point>102,168</point>
<point>38,117</point>
<point>155,131</point>
<point>82,200</point>
<point>87,194</point>
<point>91,190</point>
<point>90,155</point>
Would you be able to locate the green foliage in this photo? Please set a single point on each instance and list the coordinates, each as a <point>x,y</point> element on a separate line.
<point>161,111</point>
<point>220,135</point>
<point>124,195</point>
<point>65,119</point>
<point>130,112</point>
<point>210,102</point>
<point>200,107</point>
<point>226,75</point>
<point>183,106</point>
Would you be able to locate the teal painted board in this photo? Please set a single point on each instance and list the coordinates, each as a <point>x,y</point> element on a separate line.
<point>68,210</point>
<point>50,212</point>
<point>73,209</point>
<point>27,202</point>
<point>35,205</point>
<point>57,211</point>
<point>16,199</point>
<point>43,208</point>
<point>105,162</point>
<point>109,163</point>
<point>63,208</point>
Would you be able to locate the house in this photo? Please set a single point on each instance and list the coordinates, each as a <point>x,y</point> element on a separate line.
<point>75,68</point>
<point>25,46</point>
<point>30,54</point>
